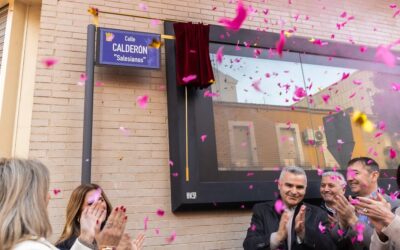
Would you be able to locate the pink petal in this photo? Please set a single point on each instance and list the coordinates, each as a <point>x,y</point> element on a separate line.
<point>142,101</point>
<point>378,134</point>
<point>392,153</point>
<point>203,138</point>
<point>344,14</point>
<point>345,76</point>
<point>160,212</point>
<point>280,43</point>
<point>143,7</point>
<point>208,93</point>
<point>340,232</point>
<point>393,6</point>
<point>396,86</point>
<point>99,84</point>
<point>170,163</point>
<point>253,227</point>
<point>220,55</point>
<point>396,13</point>
<point>49,62</point>
<point>320,171</point>
<point>175,174</point>
<point>256,85</point>
<point>355,202</point>
<point>189,78</point>
<point>251,186</point>
<point>381,125</point>
<point>325,98</point>
<point>155,22</point>
<point>257,53</point>
<point>56,191</point>
<point>299,92</point>
<point>384,55</point>
<point>363,49</point>
<point>146,220</point>
<point>357,82</point>
<point>340,141</point>
<point>321,227</point>
<point>236,23</point>
<point>171,238</point>
<point>393,196</point>
<point>279,206</point>
<point>249,174</point>
<point>352,95</point>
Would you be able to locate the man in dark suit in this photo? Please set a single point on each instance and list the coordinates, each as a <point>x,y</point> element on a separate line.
<point>288,223</point>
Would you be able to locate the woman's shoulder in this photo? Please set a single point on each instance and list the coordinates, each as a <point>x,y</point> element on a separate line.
<point>38,244</point>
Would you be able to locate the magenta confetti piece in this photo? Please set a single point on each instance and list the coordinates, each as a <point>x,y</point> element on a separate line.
<point>345,76</point>
<point>56,191</point>
<point>320,171</point>
<point>189,78</point>
<point>208,93</point>
<point>160,212</point>
<point>355,202</point>
<point>381,125</point>
<point>142,101</point>
<point>99,84</point>
<point>363,49</point>
<point>340,141</point>
<point>235,23</point>
<point>49,62</point>
<point>321,228</point>
<point>155,22</point>
<point>299,92</point>
<point>249,174</point>
<point>384,55</point>
<point>251,186</point>
<point>280,43</point>
<point>326,98</point>
<point>256,85</point>
<point>253,227</point>
<point>143,7</point>
<point>396,86</point>
<point>220,54</point>
<point>340,232</point>
<point>203,138</point>
<point>175,174</point>
<point>279,206</point>
<point>171,163</point>
<point>360,229</point>
<point>392,153</point>
<point>171,238</point>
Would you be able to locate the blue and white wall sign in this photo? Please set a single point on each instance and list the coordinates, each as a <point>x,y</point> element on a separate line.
<point>127,48</point>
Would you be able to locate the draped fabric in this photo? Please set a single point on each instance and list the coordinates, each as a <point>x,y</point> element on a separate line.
<point>193,55</point>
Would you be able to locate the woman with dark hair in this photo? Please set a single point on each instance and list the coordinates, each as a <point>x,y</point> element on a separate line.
<point>386,224</point>
<point>81,198</point>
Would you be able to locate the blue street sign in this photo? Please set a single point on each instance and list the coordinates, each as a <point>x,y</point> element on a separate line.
<point>128,48</point>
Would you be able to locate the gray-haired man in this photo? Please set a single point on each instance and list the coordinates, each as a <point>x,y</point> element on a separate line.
<point>300,227</point>
<point>332,183</point>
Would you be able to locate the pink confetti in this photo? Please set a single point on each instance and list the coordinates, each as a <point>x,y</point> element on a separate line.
<point>384,55</point>
<point>378,134</point>
<point>396,86</point>
<point>253,227</point>
<point>142,101</point>
<point>393,6</point>
<point>280,43</point>
<point>360,229</point>
<point>381,125</point>
<point>344,14</point>
<point>143,7</point>
<point>257,53</point>
<point>56,191</point>
<point>300,92</point>
<point>49,62</point>
<point>393,196</point>
<point>279,206</point>
<point>340,232</point>
<point>146,221</point>
<point>208,93</point>
<point>357,82</point>
<point>189,78</point>
<point>396,13</point>
<point>155,22</point>
<point>170,163</point>
<point>392,153</point>
<point>340,141</point>
<point>124,131</point>
<point>355,202</point>
<point>320,43</point>
<point>171,238</point>
<point>175,174</point>
<point>249,174</point>
<point>352,95</point>
<point>325,98</point>
<point>256,85</point>
<point>321,228</point>
<point>99,84</point>
<point>220,55</point>
<point>95,196</point>
<point>251,187</point>
<point>345,76</point>
<point>363,49</point>
<point>203,138</point>
<point>320,171</point>
<point>160,212</point>
<point>236,23</point>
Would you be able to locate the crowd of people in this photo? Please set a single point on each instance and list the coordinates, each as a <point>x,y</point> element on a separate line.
<point>369,219</point>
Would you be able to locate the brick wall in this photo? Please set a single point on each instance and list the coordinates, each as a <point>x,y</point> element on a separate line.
<point>134,169</point>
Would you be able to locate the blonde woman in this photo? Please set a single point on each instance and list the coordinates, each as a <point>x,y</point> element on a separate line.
<point>24,222</point>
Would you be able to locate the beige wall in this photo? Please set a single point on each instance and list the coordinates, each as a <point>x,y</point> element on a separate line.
<point>134,170</point>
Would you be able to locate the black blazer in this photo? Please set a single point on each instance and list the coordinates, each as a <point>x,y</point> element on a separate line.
<point>266,221</point>
<point>67,244</point>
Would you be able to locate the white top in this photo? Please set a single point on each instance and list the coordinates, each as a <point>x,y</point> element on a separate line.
<point>43,244</point>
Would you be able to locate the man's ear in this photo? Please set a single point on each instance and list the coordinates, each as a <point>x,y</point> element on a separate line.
<point>375,176</point>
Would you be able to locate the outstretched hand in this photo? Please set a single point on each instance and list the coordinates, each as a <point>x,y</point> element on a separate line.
<point>299,222</point>
<point>113,229</point>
